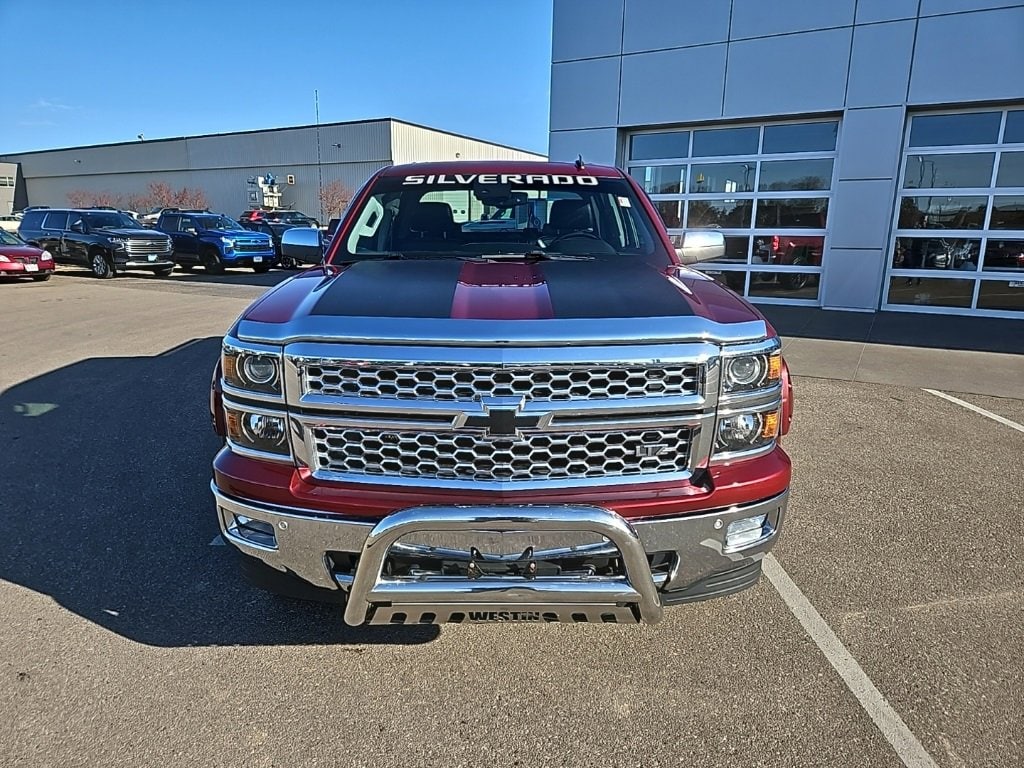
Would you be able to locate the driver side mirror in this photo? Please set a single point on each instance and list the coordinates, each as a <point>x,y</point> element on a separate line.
<point>190,231</point>
<point>701,245</point>
<point>78,227</point>
<point>303,243</point>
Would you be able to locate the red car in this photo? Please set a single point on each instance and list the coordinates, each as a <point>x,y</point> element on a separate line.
<point>19,259</point>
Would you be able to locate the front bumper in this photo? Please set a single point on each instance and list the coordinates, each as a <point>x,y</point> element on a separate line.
<point>703,564</point>
<point>248,258</point>
<point>18,269</point>
<point>134,262</point>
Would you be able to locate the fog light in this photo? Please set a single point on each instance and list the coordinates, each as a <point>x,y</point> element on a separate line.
<point>259,427</point>
<point>255,531</point>
<point>741,533</point>
<point>738,432</point>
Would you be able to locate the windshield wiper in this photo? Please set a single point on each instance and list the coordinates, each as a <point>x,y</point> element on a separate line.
<point>535,256</point>
<point>398,256</point>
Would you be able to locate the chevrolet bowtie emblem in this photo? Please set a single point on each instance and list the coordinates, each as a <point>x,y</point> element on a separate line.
<point>504,417</point>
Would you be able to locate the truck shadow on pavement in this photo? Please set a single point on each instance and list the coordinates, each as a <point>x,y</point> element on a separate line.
<point>106,508</point>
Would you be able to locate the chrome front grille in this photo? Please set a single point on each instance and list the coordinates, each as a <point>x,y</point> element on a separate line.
<point>475,456</point>
<point>465,384</point>
<point>250,246</point>
<point>145,246</point>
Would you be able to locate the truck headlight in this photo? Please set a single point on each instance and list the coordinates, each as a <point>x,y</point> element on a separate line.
<point>228,242</point>
<point>263,432</point>
<point>749,372</point>
<point>117,242</point>
<point>252,370</point>
<point>746,431</point>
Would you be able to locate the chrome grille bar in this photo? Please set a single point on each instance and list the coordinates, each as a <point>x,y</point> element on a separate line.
<point>469,383</point>
<point>473,456</point>
<point>143,246</point>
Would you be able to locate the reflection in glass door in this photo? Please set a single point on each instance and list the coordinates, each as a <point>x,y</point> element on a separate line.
<point>767,188</point>
<point>958,234</point>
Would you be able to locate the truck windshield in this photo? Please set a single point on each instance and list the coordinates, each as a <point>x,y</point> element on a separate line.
<point>110,220</point>
<point>218,222</point>
<point>491,215</point>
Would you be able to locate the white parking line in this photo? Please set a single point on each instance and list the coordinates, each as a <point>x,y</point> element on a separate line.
<point>971,407</point>
<point>896,732</point>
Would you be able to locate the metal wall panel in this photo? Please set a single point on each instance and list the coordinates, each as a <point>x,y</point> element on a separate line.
<point>870,145</point>
<point>416,144</point>
<point>789,74</point>
<point>860,213</point>
<point>597,145</point>
<point>852,279</point>
<point>360,142</point>
<point>871,11</point>
<point>969,57</point>
<point>137,157</point>
<point>678,85</point>
<point>936,7</point>
<point>586,29</point>
<point>760,18</point>
<point>7,193</point>
<point>585,94</point>
<point>653,24</point>
<point>880,65</point>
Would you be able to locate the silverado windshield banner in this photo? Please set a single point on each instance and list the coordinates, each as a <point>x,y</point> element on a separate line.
<point>501,178</point>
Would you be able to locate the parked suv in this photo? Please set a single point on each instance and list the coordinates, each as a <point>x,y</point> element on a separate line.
<point>215,242</point>
<point>107,242</point>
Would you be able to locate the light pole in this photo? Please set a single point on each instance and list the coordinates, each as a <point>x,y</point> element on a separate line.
<point>319,165</point>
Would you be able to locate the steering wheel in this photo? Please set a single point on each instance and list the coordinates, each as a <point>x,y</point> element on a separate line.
<point>575,233</point>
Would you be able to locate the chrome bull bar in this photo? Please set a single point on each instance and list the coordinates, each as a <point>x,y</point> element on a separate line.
<point>628,598</point>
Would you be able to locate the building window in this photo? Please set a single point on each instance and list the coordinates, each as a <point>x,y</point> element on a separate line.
<point>766,187</point>
<point>958,230</point>
<point>6,181</point>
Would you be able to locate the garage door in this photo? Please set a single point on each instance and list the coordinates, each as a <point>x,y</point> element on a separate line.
<point>958,228</point>
<point>766,187</point>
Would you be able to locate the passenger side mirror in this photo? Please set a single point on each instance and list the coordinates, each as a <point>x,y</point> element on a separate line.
<point>190,231</point>
<point>701,245</point>
<point>303,244</point>
<point>78,227</point>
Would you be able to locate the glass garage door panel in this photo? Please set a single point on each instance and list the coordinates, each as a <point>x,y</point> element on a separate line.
<point>958,227</point>
<point>766,188</point>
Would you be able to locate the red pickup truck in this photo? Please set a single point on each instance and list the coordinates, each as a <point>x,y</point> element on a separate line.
<point>502,396</point>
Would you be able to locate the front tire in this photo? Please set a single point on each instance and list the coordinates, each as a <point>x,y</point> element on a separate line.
<point>212,263</point>
<point>101,266</point>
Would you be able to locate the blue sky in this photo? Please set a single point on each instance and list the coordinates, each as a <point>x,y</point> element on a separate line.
<point>98,71</point>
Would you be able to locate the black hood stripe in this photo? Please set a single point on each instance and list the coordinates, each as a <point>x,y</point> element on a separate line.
<point>392,289</point>
<point>578,290</point>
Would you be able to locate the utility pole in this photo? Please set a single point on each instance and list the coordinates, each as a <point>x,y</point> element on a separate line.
<point>319,165</point>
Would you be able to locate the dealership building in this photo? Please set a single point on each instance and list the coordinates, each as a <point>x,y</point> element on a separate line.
<point>237,171</point>
<point>856,154</point>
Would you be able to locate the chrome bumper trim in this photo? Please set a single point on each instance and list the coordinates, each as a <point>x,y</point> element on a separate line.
<point>302,538</point>
<point>635,588</point>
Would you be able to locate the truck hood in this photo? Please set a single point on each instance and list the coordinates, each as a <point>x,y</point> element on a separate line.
<point>234,233</point>
<point>140,233</point>
<point>451,301</point>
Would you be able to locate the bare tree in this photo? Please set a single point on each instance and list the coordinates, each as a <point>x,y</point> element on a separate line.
<point>333,199</point>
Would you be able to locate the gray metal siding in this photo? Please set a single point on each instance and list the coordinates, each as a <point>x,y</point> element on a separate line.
<point>221,165</point>
<point>415,144</point>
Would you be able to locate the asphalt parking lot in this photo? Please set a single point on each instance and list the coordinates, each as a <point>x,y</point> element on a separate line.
<point>127,637</point>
